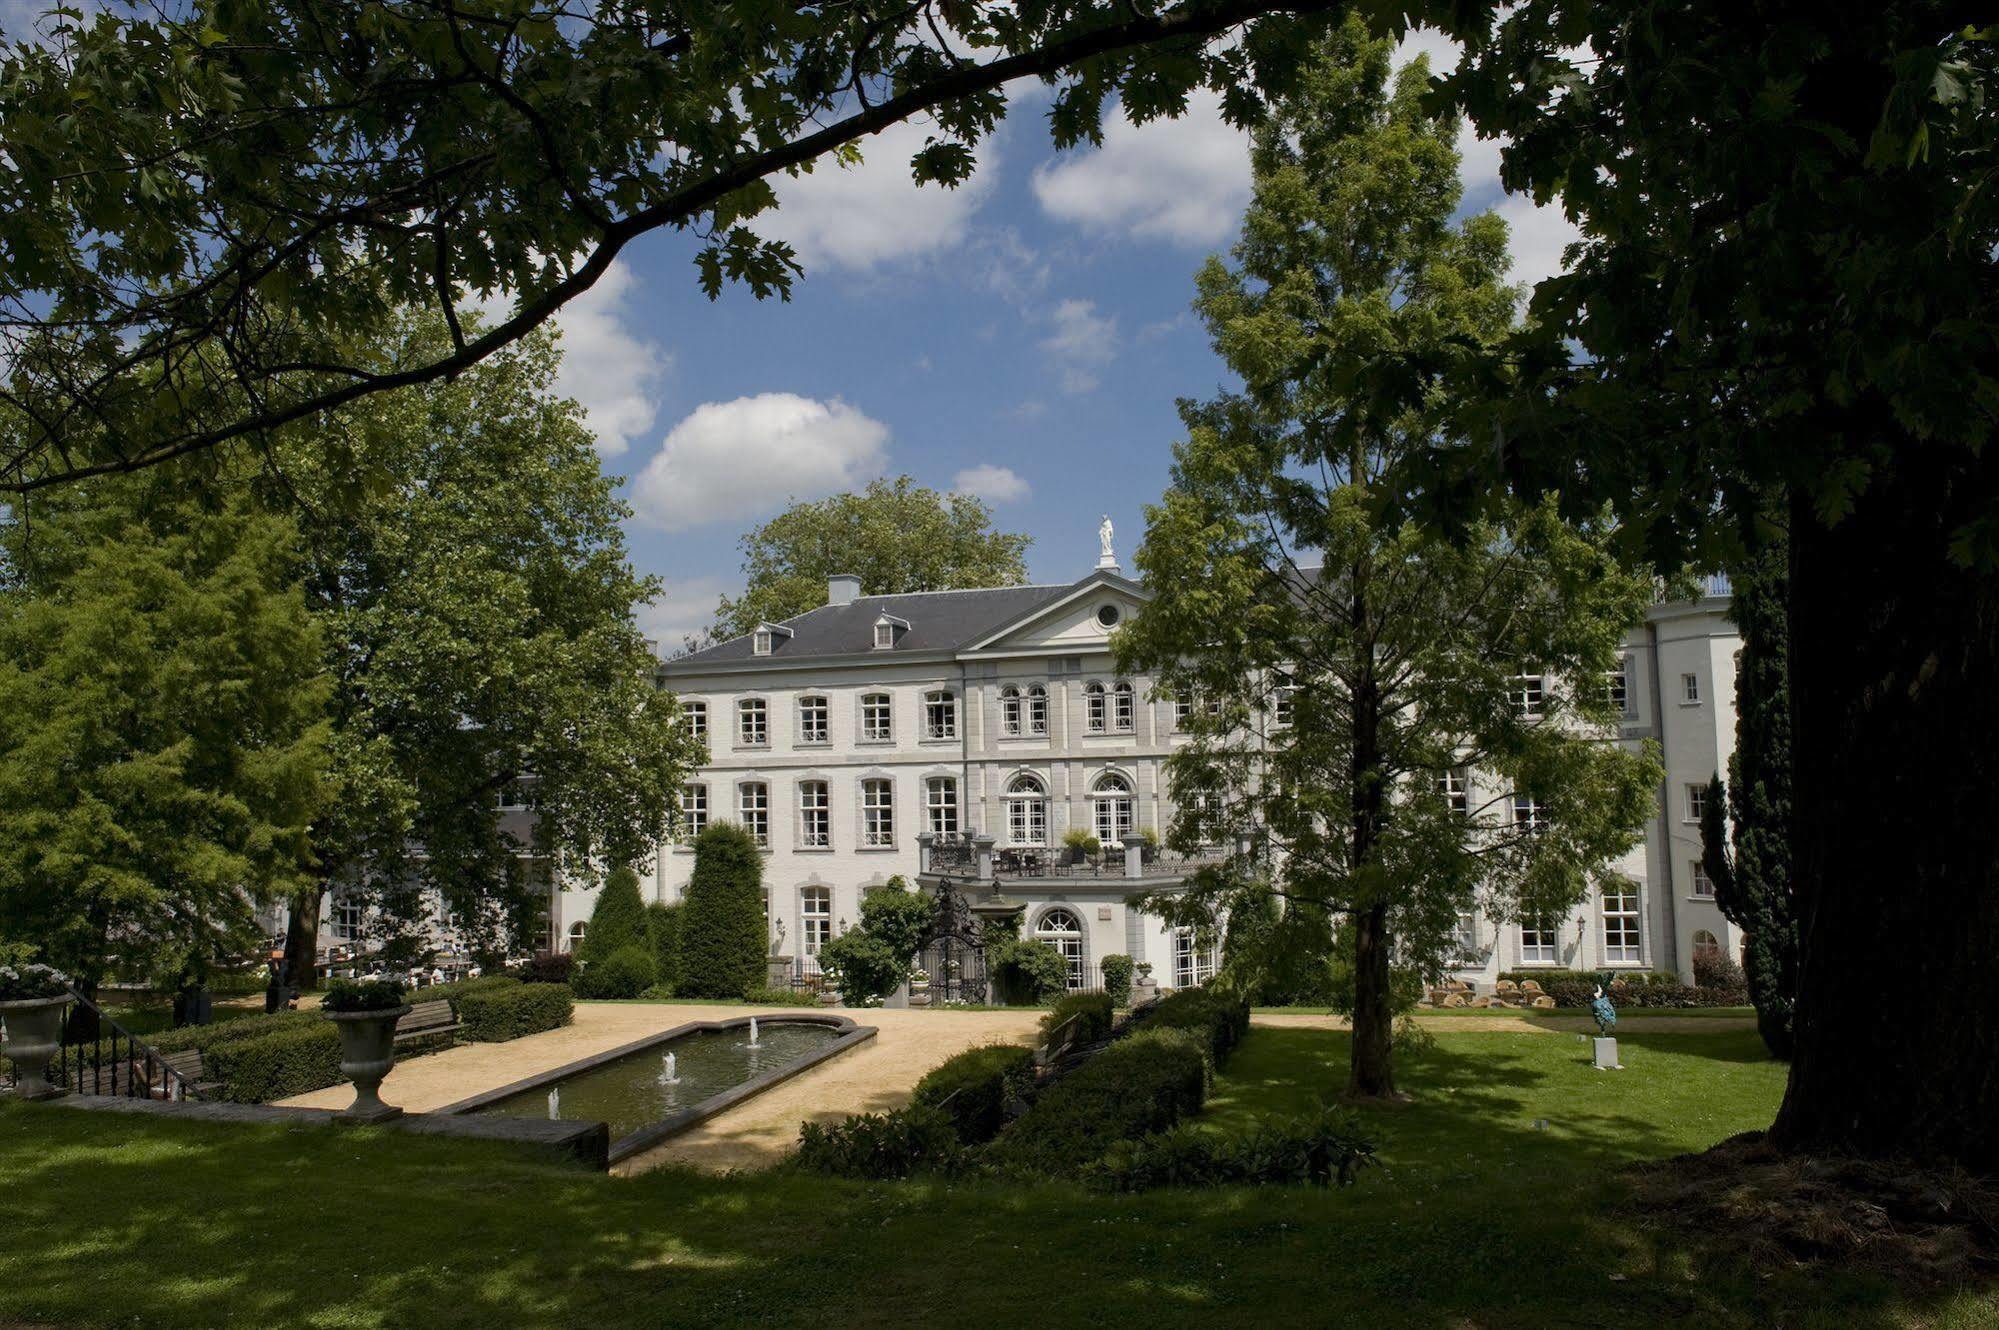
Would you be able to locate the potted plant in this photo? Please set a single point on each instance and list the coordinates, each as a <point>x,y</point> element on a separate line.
<point>365,1012</point>
<point>1149,852</point>
<point>32,999</point>
<point>1081,844</point>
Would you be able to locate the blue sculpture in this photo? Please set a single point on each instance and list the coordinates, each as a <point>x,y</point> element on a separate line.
<point>1599,1006</point>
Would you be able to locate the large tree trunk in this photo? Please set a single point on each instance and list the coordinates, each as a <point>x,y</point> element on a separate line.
<point>1371,1069</point>
<point>302,941</point>
<point>1895,690</point>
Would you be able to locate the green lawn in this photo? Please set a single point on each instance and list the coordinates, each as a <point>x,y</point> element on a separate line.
<point>1479,1218</point>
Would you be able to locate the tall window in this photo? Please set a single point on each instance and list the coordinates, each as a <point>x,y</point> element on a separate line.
<point>1281,700</point>
<point>753,811</point>
<point>1690,688</point>
<point>347,917</point>
<point>1530,813</point>
<point>1703,884</point>
<point>1112,801</point>
<point>1122,708</point>
<point>1621,934</point>
<point>940,799</point>
<point>815,815</point>
<point>760,642</point>
<point>877,717</point>
<point>752,722</point>
<point>815,912</point>
<point>1617,688</point>
<point>1037,709</point>
<point>1061,930</point>
<point>1026,812</point>
<point>812,720</point>
<point>1537,941</point>
<point>695,715</point>
<point>1183,711</point>
<point>1696,802</point>
<point>1706,945</point>
<point>694,808</point>
<point>1464,938</point>
<point>1009,710</point>
<point>1192,965</point>
<point>877,812</point>
<point>1096,719</point>
<point>1455,786</point>
<point>1526,694</point>
<point>940,715</point>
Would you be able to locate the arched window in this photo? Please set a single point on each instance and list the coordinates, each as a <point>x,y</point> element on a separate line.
<point>1096,719</point>
<point>1706,944</point>
<point>1037,710</point>
<point>1111,801</point>
<point>815,910</point>
<point>1122,708</point>
<point>1062,930</point>
<point>1026,811</point>
<point>1010,710</point>
<point>576,932</point>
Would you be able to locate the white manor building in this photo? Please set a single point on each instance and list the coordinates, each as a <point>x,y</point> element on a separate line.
<point>853,739</point>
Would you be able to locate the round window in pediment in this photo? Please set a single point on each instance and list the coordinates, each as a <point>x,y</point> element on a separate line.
<point>1107,615</point>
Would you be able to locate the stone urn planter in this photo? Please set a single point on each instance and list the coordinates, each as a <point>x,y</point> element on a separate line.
<point>34,1035</point>
<point>367,1051</point>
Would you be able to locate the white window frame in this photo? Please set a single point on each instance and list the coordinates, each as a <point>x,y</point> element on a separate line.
<point>1530,812</point>
<point>1096,709</point>
<point>1183,711</point>
<point>694,808</point>
<point>752,722</point>
<point>753,810</point>
<point>1529,695</point>
<point>1690,689</point>
<point>760,642</point>
<point>1009,700</point>
<point>1037,710</point>
<point>1540,941</point>
<point>884,635</point>
<point>940,714</point>
<point>1623,924</point>
<point>1066,939</point>
<point>815,815</point>
<point>815,719</point>
<point>1112,804</point>
<point>1696,801</point>
<point>695,716</point>
<point>815,917</point>
<point>1026,811</point>
<point>877,707</point>
<point>878,813</point>
<point>1617,687</point>
<point>1124,709</point>
<point>1192,965</point>
<point>347,919</point>
<point>1703,885</point>
<point>1455,786</point>
<point>940,804</point>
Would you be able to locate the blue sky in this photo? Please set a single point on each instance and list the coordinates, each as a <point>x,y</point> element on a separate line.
<point>1024,337</point>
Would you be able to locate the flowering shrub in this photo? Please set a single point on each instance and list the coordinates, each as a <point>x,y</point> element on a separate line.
<point>26,982</point>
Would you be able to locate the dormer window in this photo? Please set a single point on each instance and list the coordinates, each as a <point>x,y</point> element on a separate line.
<point>767,637</point>
<point>887,628</point>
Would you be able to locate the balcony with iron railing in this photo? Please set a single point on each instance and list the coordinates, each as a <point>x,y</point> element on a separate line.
<point>972,857</point>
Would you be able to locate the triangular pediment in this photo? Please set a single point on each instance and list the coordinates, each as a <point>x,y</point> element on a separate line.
<point>1073,620</point>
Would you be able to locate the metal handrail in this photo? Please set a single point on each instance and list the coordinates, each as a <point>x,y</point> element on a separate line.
<point>138,1073</point>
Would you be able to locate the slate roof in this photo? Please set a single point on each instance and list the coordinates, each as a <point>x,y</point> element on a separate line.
<point>938,621</point>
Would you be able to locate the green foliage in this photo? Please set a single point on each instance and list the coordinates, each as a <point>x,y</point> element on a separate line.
<point>275,1064</point>
<point>898,916</point>
<point>975,1087</point>
<point>625,973</point>
<point>1660,989</point>
<point>895,536</point>
<point>1752,876</point>
<point>1318,1149</point>
<point>898,1144</point>
<point>1026,971</point>
<point>494,1015</point>
<point>1142,1084</point>
<point>163,743</point>
<point>362,995</point>
<point>869,962</point>
<point>663,924</point>
<point>1216,1022</point>
<point>1091,1013</point>
<point>453,992</point>
<point>1082,838</point>
<point>1117,978</point>
<point>618,920</point>
<point>722,935</point>
<point>207,1037</point>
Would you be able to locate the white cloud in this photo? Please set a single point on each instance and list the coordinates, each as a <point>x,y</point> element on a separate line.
<point>994,484</point>
<point>1536,237</point>
<point>685,609</point>
<point>1184,180</point>
<point>610,370</point>
<point>751,456</point>
<point>1083,342</point>
<point>863,216</point>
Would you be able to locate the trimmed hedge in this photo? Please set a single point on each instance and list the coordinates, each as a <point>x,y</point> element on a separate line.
<point>495,1015</point>
<point>897,1144</point>
<point>625,973</point>
<point>1117,979</point>
<point>297,1060</point>
<point>1217,1023</point>
<point>1653,989</point>
<point>1138,1085</point>
<point>205,1037</point>
<point>1091,1012</point>
<point>617,921</point>
<point>663,933</point>
<point>722,929</point>
<point>1319,1149</point>
<point>454,991</point>
<point>978,1082</point>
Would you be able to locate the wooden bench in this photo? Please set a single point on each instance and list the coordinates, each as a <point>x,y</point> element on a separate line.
<point>427,1020</point>
<point>189,1065</point>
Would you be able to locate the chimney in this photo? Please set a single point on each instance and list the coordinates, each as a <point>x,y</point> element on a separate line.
<point>842,589</point>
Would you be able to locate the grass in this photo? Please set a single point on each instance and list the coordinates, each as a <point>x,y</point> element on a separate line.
<point>1478,1218</point>
<point>1529,1013</point>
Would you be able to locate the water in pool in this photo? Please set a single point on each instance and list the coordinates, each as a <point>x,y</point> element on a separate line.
<point>634,1090</point>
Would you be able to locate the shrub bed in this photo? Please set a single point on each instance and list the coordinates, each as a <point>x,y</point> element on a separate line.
<point>205,1037</point>
<point>1216,1022</point>
<point>978,1083</point>
<point>625,973</point>
<point>495,1015</point>
<point>1319,1149</point>
<point>897,1144</point>
<point>1091,1013</point>
<point>1643,988</point>
<point>1142,1084</point>
<point>452,992</point>
<point>1117,979</point>
<point>294,1060</point>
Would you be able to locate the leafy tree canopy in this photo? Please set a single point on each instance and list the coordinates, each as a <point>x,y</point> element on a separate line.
<point>896,536</point>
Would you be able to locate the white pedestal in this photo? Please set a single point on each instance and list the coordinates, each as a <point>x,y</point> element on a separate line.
<point>1606,1054</point>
